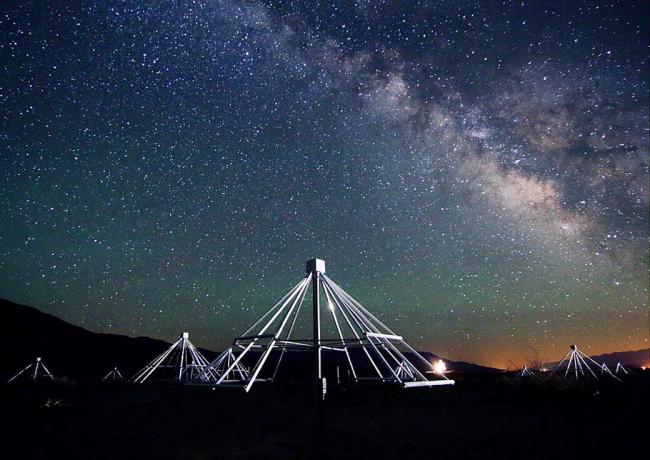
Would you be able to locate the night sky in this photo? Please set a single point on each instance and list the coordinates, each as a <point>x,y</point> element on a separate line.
<point>475,173</point>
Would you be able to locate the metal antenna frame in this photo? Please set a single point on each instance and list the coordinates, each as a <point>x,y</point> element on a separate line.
<point>113,376</point>
<point>526,372</point>
<point>382,351</point>
<point>40,371</point>
<point>620,368</point>
<point>223,362</point>
<point>182,356</point>
<point>579,362</point>
<point>605,370</point>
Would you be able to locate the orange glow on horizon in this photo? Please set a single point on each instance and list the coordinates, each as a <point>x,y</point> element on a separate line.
<point>500,355</point>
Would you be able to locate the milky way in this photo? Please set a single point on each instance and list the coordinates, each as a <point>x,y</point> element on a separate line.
<point>474,173</point>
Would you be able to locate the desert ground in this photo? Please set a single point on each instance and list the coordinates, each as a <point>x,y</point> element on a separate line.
<point>481,417</point>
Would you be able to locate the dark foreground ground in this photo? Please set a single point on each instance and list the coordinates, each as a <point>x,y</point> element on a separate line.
<point>482,417</point>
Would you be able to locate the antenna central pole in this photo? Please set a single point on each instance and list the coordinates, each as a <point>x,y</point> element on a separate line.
<point>316,267</point>
<point>316,303</point>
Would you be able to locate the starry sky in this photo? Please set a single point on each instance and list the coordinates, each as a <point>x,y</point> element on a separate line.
<point>475,173</point>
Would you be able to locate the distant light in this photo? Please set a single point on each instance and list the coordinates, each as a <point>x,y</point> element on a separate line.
<point>440,367</point>
<point>643,368</point>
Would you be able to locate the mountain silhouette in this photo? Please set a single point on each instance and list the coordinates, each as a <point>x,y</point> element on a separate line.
<point>72,351</point>
<point>67,350</point>
<point>636,358</point>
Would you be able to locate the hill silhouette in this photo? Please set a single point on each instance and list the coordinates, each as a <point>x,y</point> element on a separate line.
<point>73,351</point>
<point>68,350</point>
<point>636,358</point>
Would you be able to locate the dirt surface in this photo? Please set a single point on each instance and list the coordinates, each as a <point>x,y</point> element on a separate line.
<point>481,417</point>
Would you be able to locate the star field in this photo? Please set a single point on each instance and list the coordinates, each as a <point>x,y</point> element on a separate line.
<point>475,173</point>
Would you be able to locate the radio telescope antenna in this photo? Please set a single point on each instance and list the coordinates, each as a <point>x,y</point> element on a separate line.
<point>620,369</point>
<point>38,372</point>
<point>181,362</point>
<point>371,350</point>
<point>526,372</point>
<point>578,366</point>
<point>223,362</point>
<point>605,370</point>
<point>113,376</point>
